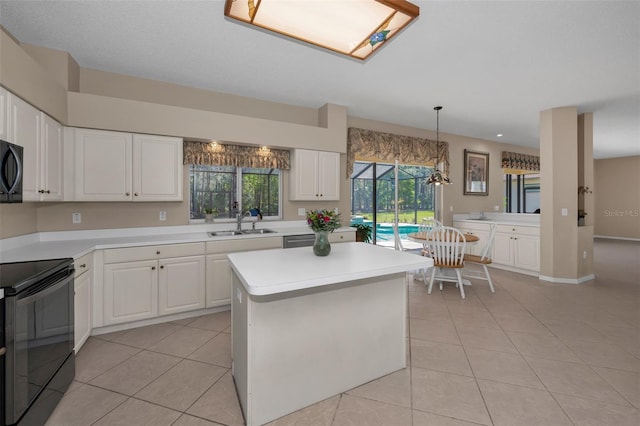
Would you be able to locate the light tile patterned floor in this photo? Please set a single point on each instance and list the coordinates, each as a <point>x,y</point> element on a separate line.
<point>533,353</point>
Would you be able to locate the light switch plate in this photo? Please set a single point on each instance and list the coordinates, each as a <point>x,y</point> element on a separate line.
<point>565,212</point>
<point>163,215</point>
<point>76,218</point>
<point>302,212</point>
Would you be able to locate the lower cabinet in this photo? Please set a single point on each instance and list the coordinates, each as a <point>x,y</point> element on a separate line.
<point>517,246</point>
<point>479,230</point>
<point>166,280</point>
<point>82,303</point>
<point>219,269</point>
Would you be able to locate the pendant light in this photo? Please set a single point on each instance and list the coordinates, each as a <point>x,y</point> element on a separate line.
<point>437,177</point>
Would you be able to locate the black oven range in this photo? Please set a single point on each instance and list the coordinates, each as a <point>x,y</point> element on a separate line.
<point>37,363</point>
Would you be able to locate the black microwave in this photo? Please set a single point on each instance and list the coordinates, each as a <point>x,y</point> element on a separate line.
<point>10,172</point>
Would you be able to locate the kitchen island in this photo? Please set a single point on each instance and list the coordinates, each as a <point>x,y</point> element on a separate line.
<point>305,328</point>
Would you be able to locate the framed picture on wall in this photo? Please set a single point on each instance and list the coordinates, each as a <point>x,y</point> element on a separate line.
<point>476,173</point>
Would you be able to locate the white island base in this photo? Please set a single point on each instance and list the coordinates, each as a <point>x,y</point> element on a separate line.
<point>344,326</point>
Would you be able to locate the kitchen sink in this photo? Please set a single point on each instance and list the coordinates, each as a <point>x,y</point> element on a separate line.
<point>233,232</point>
<point>258,231</point>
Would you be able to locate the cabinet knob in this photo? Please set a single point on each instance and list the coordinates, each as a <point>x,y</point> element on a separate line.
<point>153,268</point>
<point>48,191</point>
<point>84,265</point>
<point>135,194</point>
<point>158,252</point>
<point>161,266</point>
<point>127,193</point>
<point>41,191</point>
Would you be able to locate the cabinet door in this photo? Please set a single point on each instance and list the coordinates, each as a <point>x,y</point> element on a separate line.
<point>130,291</point>
<point>304,175</point>
<point>82,309</point>
<point>102,163</point>
<point>157,168</point>
<point>181,284</point>
<point>503,249</point>
<point>329,175</point>
<point>4,114</point>
<point>527,252</point>
<point>51,149</point>
<point>218,280</point>
<point>25,131</point>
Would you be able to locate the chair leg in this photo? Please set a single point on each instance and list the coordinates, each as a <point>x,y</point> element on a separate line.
<point>486,271</point>
<point>459,274</point>
<point>433,275</point>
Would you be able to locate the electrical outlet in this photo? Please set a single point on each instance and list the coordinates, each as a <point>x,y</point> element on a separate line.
<point>302,212</point>
<point>565,212</point>
<point>163,215</point>
<point>76,218</point>
<point>451,209</point>
<point>336,211</point>
<point>584,254</point>
<point>496,208</point>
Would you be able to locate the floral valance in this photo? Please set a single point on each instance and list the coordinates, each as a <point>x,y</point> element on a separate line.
<point>370,145</point>
<point>516,163</point>
<point>217,154</point>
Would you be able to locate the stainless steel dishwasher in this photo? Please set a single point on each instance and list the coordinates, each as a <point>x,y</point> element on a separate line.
<point>292,241</point>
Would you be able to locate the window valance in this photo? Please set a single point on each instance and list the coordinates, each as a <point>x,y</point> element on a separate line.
<point>515,163</point>
<point>216,154</point>
<point>370,145</point>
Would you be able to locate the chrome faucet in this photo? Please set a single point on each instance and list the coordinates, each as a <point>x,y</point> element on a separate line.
<point>239,217</point>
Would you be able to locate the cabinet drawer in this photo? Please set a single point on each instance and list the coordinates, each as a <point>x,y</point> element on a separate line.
<point>472,226</point>
<point>131,254</point>
<point>227,246</point>
<point>83,264</point>
<point>520,230</point>
<point>342,237</point>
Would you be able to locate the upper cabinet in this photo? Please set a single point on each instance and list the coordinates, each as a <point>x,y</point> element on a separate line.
<point>314,175</point>
<point>41,138</point>
<point>118,166</point>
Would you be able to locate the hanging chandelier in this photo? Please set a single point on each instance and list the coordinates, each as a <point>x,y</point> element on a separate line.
<point>438,177</point>
<point>353,28</point>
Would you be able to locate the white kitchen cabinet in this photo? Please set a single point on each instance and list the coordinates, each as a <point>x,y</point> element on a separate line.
<point>145,282</point>
<point>314,175</point>
<point>130,291</point>
<point>157,168</point>
<point>41,138</point>
<point>219,274</point>
<point>181,284</point>
<point>517,246</point>
<point>480,230</point>
<point>4,114</point>
<point>118,166</point>
<point>83,280</point>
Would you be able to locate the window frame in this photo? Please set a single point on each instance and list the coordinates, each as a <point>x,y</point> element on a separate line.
<point>238,195</point>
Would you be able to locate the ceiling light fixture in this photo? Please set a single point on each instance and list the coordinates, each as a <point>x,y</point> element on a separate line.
<point>353,28</point>
<point>437,177</point>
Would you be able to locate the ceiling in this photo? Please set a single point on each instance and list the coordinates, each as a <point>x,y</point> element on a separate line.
<point>493,65</point>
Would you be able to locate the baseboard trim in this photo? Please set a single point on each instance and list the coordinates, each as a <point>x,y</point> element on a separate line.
<point>567,280</point>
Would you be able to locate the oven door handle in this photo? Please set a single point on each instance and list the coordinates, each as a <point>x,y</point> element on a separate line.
<point>48,290</point>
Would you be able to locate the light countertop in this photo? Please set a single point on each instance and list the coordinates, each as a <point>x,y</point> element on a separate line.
<point>277,271</point>
<point>74,244</point>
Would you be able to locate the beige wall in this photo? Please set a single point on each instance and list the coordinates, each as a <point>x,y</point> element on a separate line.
<point>453,200</point>
<point>617,197</point>
<point>117,102</point>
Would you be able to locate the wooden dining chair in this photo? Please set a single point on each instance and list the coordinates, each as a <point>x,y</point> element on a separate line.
<point>447,246</point>
<point>483,259</point>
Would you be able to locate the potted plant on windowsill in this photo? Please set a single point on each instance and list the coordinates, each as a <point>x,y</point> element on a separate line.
<point>209,214</point>
<point>363,232</point>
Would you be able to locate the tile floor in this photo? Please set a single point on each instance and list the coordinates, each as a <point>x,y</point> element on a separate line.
<point>533,353</point>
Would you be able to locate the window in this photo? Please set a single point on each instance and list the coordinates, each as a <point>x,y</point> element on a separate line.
<point>522,193</point>
<point>220,187</point>
<point>416,199</point>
